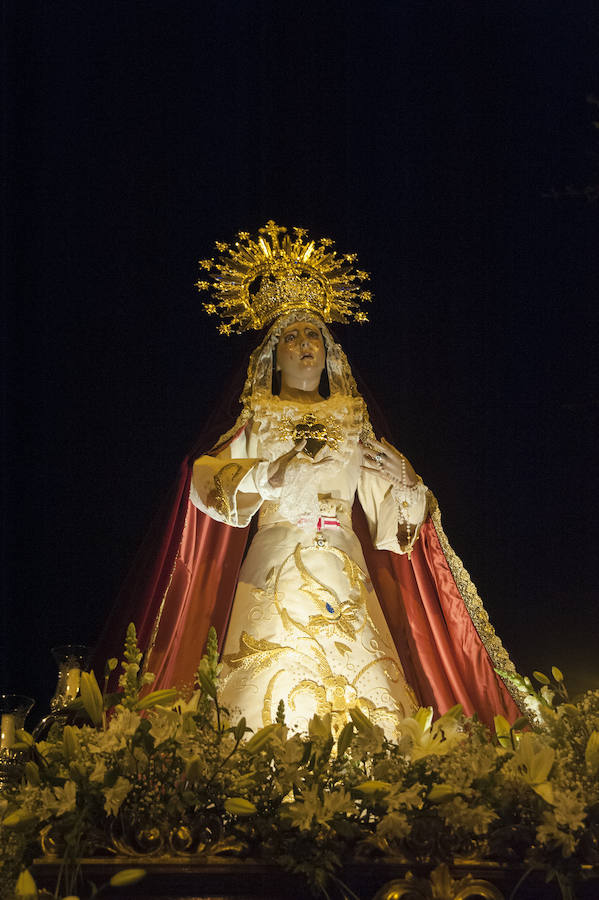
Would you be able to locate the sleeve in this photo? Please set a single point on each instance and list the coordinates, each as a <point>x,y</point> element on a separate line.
<point>231,486</point>
<point>394,513</point>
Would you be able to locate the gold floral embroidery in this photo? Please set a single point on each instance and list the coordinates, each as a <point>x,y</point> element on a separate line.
<point>225,482</point>
<point>255,654</point>
<point>331,692</point>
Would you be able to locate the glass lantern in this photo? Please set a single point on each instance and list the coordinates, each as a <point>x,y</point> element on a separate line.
<point>14,709</point>
<point>72,660</point>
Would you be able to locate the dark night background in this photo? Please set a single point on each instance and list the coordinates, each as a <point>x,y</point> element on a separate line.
<point>427,137</point>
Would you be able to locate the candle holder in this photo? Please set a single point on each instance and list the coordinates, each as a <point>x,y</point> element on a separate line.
<point>72,660</point>
<point>14,709</point>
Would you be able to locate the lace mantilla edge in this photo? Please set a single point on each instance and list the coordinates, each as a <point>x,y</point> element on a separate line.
<point>474,605</point>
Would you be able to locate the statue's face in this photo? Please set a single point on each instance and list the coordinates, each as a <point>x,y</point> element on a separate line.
<point>300,353</point>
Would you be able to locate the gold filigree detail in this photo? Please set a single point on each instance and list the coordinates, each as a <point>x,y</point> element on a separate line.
<point>334,614</point>
<point>313,689</point>
<point>267,716</point>
<point>441,885</point>
<point>254,653</point>
<point>367,435</point>
<point>474,605</point>
<point>308,427</point>
<point>332,692</point>
<point>255,280</point>
<point>314,588</point>
<point>225,482</point>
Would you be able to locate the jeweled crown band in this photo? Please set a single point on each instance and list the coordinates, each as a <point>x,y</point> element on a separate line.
<point>255,281</point>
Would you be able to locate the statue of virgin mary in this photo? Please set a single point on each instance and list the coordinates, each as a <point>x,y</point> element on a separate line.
<point>348,593</point>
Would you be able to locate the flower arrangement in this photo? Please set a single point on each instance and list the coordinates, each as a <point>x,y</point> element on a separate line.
<point>157,773</point>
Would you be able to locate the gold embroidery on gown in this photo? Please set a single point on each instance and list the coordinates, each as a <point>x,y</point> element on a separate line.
<point>309,667</point>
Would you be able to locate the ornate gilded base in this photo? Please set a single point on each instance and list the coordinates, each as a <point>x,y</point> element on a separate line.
<point>212,879</point>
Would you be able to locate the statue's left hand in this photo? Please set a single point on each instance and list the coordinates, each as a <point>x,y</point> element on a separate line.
<point>382,458</point>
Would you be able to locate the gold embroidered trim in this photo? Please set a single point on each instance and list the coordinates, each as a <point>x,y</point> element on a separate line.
<point>225,482</point>
<point>328,431</point>
<point>367,434</point>
<point>474,605</point>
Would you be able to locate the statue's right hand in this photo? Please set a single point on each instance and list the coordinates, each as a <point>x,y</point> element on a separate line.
<point>276,469</point>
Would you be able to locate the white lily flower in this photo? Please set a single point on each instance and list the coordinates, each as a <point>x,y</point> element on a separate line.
<point>534,760</point>
<point>114,796</point>
<point>66,797</point>
<point>432,739</point>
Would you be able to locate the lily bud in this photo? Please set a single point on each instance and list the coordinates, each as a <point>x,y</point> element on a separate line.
<point>239,806</point>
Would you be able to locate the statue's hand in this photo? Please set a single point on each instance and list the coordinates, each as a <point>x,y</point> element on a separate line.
<point>277,468</point>
<point>389,463</point>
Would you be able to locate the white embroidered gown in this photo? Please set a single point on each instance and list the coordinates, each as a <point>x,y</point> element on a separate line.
<point>306,626</point>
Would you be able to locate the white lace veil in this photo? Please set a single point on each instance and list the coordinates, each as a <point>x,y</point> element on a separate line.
<point>259,380</point>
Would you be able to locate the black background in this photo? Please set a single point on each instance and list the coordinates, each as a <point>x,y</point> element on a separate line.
<point>428,137</point>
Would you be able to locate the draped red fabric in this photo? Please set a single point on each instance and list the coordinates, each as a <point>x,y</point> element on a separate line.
<point>182,581</point>
<point>185,577</point>
<point>141,594</point>
<point>200,594</point>
<point>443,656</point>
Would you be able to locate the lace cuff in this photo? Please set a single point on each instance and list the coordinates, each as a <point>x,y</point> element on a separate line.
<point>261,484</point>
<point>411,510</point>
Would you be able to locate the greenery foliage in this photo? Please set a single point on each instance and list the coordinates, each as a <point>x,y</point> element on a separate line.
<point>161,773</point>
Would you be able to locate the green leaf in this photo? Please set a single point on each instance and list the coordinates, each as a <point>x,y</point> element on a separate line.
<point>545,790</point>
<point>164,697</point>
<point>345,738</point>
<point>259,740</point>
<point>113,699</point>
<point>503,732</point>
<point>520,723</point>
<point>362,722</point>
<point>306,754</point>
<point>25,886</point>
<point>557,674</point>
<point>239,806</point>
<point>441,792</point>
<point>126,877</point>
<point>32,773</point>
<point>591,753</point>
<point>373,787</point>
<point>542,679</point>
<point>19,820</point>
<point>92,697</point>
<point>206,683</point>
<point>239,729</point>
<point>194,770</point>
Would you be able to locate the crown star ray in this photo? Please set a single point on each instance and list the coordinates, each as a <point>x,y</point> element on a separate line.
<point>254,281</point>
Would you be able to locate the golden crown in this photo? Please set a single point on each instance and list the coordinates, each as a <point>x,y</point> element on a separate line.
<point>255,281</point>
